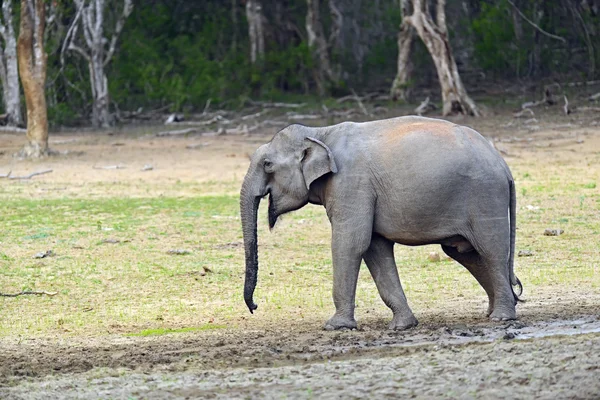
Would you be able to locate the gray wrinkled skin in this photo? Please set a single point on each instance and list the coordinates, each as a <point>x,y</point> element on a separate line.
<point>408,180</point>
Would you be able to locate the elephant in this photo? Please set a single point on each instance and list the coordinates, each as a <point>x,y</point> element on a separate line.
<point>408,180</point>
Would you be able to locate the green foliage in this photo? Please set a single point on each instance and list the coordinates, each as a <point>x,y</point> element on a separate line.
<point>178,54</point>
<point>290,70</point>
<point>496,49</point>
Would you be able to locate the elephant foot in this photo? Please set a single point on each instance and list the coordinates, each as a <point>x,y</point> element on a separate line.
<point>340,322</point>
<point>400,323</point>
<point>500,314</point>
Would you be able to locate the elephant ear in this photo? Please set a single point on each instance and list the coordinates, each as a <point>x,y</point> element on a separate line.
<point>317,161</point>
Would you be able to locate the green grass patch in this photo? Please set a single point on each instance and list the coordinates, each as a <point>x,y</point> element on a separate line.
<point>114,275</point>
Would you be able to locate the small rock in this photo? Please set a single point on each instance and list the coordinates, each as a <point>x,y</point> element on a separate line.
<point>525,253</point>
<point>111,241</point>
<point>44,254</point>
<point>532,208</point>
<point>178,252</point>
<point>434,256</point>
<point>516,325</point>
<point>148,167</point>
<point>174,118</point>
<point>553,232</point>
<point>509,336</point>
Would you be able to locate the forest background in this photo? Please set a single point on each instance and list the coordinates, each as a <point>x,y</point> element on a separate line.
<point>175,55</point>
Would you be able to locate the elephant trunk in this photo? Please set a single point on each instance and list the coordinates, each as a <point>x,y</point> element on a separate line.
<point>249,201</point>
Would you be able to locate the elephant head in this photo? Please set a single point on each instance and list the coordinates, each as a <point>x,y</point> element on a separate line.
<point>284,169</point>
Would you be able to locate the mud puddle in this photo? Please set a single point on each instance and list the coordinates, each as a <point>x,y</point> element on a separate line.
<point>389,343</point>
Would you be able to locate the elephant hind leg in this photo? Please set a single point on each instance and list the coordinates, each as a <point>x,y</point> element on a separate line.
<point>491,275</point>
<point>381,263</point>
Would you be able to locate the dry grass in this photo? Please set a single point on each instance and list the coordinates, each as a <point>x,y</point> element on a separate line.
<point>190,202</point>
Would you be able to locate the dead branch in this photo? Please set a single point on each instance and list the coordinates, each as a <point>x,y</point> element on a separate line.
<point>213,120</point>
<point>534,25</point>
<point>273,122</point>
<point>12,129</point>
<point>219,132</point>
<point>303,116</point>
<point>255,115</point>
<point>382,97</point>
<point>119,166</point>
<point>206,106</point>
<point>6,175</point>
<point>46,171</point>
<point>242,129</point>
<point>582,83</point>
<point>177,132</point>
<point>566,106</point>
<point>594,97</point>
<point>548,99</point>
<point>380,110</point>
<point>343,99</point>
<point>360,103</point>
<point>26,292</point>
<point>276,105</point>
<point>522,113</point>
<point>345,113</point>
<point>424,107</point>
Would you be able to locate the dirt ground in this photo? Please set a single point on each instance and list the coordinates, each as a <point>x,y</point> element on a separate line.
<point>551,352</point>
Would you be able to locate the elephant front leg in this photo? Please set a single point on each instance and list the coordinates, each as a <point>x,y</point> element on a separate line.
<point>347,250</point>
<point>382,265</point>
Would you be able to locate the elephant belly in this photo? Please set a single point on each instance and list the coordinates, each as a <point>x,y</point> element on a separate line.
<point>422,230</point>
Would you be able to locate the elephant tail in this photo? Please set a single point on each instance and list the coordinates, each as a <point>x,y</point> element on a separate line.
<point>514,281</point>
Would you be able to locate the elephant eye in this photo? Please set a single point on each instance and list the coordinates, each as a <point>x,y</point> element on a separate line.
<point>304,154</point>
<point>268,165</point>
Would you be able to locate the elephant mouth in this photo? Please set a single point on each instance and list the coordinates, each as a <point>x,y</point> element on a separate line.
<point>273,214</point>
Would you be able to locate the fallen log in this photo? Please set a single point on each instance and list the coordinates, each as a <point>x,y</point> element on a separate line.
<point>46,171</point>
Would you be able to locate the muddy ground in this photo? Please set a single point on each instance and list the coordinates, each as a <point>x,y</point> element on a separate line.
<point>546,357</point>
<point>551,352</point>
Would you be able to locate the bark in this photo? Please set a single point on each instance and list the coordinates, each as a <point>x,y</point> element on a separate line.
<point>454,95</point>
<point>337,24</point>
<point>32,68</point>
<point>400,87</point>
<point>319,47</point>
<point>9,70</point>
<point>255,30</point>
<point>90,21</point>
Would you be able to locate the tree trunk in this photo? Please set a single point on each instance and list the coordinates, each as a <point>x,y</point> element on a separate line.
<point>100,114</point>
<point>90,18</point>
<point>400,87</point>
<point>32,68</point>
<point>454,95</point>
<point>255,30</point>
<point>318,46</point>
<point>9,73</point>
